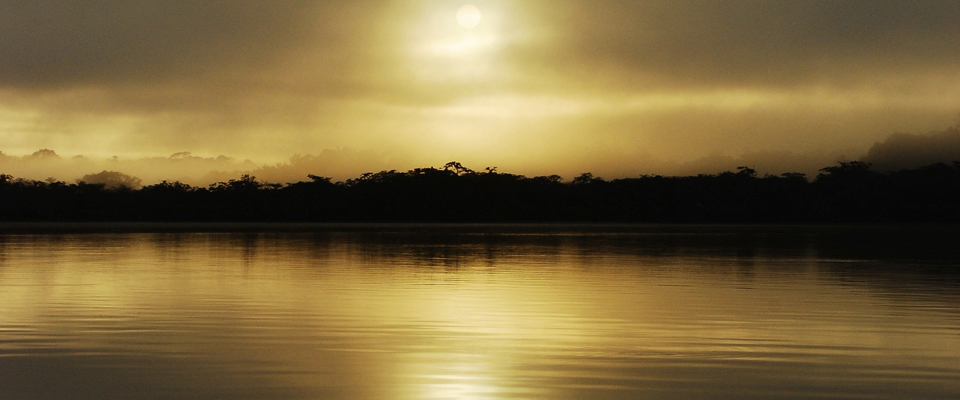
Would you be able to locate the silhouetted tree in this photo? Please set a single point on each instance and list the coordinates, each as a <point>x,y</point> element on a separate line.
<point>319,179</point>
<point>586,178</point>
<point>794,176</point>
<point>850,169</point>
<point>112,180</point>
<point>44,154</point>
<point>853,192</point>
<point>245,183</point>
<point>457,167</point>
<point>549,179</point>
<point>746,171</point>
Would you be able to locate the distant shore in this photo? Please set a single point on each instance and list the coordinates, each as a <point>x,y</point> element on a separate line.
<point>848,193</point>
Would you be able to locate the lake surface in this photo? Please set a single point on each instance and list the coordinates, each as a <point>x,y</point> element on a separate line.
<point>480,312</point>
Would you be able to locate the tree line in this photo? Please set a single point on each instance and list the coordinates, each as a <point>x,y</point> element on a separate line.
<point>849,192</point>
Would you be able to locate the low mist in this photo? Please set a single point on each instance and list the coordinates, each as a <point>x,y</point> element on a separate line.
<point>896,152</point>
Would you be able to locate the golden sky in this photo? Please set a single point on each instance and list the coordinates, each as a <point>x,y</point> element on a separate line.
<point>533,86</point>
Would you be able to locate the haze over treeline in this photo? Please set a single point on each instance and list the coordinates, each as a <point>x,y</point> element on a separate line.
<point>898,151</point>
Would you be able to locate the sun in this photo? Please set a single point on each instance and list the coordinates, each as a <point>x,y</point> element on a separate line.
<point>456,43</point>
<point>468,16</point>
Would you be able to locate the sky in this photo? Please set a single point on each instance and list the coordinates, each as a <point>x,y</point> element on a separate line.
<point>535,87</point>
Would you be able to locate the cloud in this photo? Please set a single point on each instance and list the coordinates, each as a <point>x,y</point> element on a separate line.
<point>756,43</point>
<point>337,48</point>
<point>339,164</point>
<point>46,164</point>
<point>909,151</point>
<point>57,44</point>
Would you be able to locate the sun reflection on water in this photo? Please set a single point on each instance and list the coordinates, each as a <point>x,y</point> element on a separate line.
<point>540,317</point>
<point>460,376</point>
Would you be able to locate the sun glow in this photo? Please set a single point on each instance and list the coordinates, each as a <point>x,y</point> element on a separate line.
<point>468,16</point>
<point>452,45</point>
<point>462,45</point>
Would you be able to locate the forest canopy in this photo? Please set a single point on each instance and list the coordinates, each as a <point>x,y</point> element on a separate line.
<point>847,192</point>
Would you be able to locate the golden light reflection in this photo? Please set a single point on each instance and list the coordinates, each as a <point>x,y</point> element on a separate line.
<point>464,377</point>
<point>545,321</point>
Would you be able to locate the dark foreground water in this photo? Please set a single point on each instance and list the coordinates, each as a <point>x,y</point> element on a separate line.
<point>481,312</point>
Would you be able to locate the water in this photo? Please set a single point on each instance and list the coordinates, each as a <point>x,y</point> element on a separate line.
<point>481,312</point>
